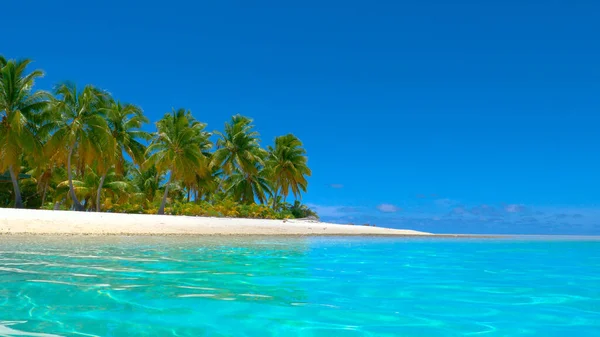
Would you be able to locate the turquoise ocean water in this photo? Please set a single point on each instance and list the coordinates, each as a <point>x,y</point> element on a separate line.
<point>169,286</point>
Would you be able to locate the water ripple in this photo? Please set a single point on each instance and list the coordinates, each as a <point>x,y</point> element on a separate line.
<point>298,287</point>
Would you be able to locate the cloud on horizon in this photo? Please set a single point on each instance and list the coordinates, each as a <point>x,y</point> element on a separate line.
<point>439,217</point>
<point>445,202</point>
<point>388,208</point>
<point>514,208</point>
<point>333,211</point>
<point>336,186</point>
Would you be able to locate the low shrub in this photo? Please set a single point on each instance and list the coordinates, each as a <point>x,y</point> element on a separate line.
<point>222,208</point>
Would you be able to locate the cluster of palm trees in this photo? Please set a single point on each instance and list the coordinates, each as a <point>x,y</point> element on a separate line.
<point>84,149</point>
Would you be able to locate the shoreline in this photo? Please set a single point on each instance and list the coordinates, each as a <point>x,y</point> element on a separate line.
<point>45,222</point>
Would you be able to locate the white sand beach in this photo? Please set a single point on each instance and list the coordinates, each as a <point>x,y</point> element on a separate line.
<point>20,221</point>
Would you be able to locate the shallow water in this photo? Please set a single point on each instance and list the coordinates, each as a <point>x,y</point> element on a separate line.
<point>169,286</point>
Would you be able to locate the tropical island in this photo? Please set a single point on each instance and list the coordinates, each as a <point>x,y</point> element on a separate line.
<point>80,149</point>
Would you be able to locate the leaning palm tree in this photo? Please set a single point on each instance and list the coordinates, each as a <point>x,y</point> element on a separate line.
<point>79,127</point>
<point>19,106</point>
<point>175,148</point>
<point>124,123</point>
<point>287,163</point>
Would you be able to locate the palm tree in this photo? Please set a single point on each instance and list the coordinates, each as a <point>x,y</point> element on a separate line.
<point>238,149</point>
<point>48,179</point>
<point>87,186</point>
<point>124,123</point>
<point>43,170</point>
<point>42,174</point>
<point>207,180</point>
<point>287,163</point>
<point>242,160</point>
<point>146,181</point>
<point>176,148</point>
<point>19,106</point>
<point>276,202</point>
<point>209,184</point>
<point>301,211</point>
<point>79,127</point>
<point>245,188</point>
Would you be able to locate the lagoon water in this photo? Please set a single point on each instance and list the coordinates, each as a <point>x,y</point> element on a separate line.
<point>175,286</point>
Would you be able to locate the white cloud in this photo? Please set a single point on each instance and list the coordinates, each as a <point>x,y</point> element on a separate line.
<point>514,208</point>
<point>388,208</point>
<point>445,202</point>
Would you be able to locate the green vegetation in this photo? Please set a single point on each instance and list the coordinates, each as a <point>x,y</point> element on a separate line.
<point>79,148</point>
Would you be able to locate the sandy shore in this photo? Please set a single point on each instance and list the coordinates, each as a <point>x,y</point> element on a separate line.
<point>18,221</point>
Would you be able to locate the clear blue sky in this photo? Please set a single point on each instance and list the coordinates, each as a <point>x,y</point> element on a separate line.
<point>447,116</point>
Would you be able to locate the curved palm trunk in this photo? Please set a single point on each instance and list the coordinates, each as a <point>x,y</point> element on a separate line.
<point>76,204</point>
<point>275,195</point>
<point>99,193</point>
<point>15,183</point>
<point>161,209</point>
